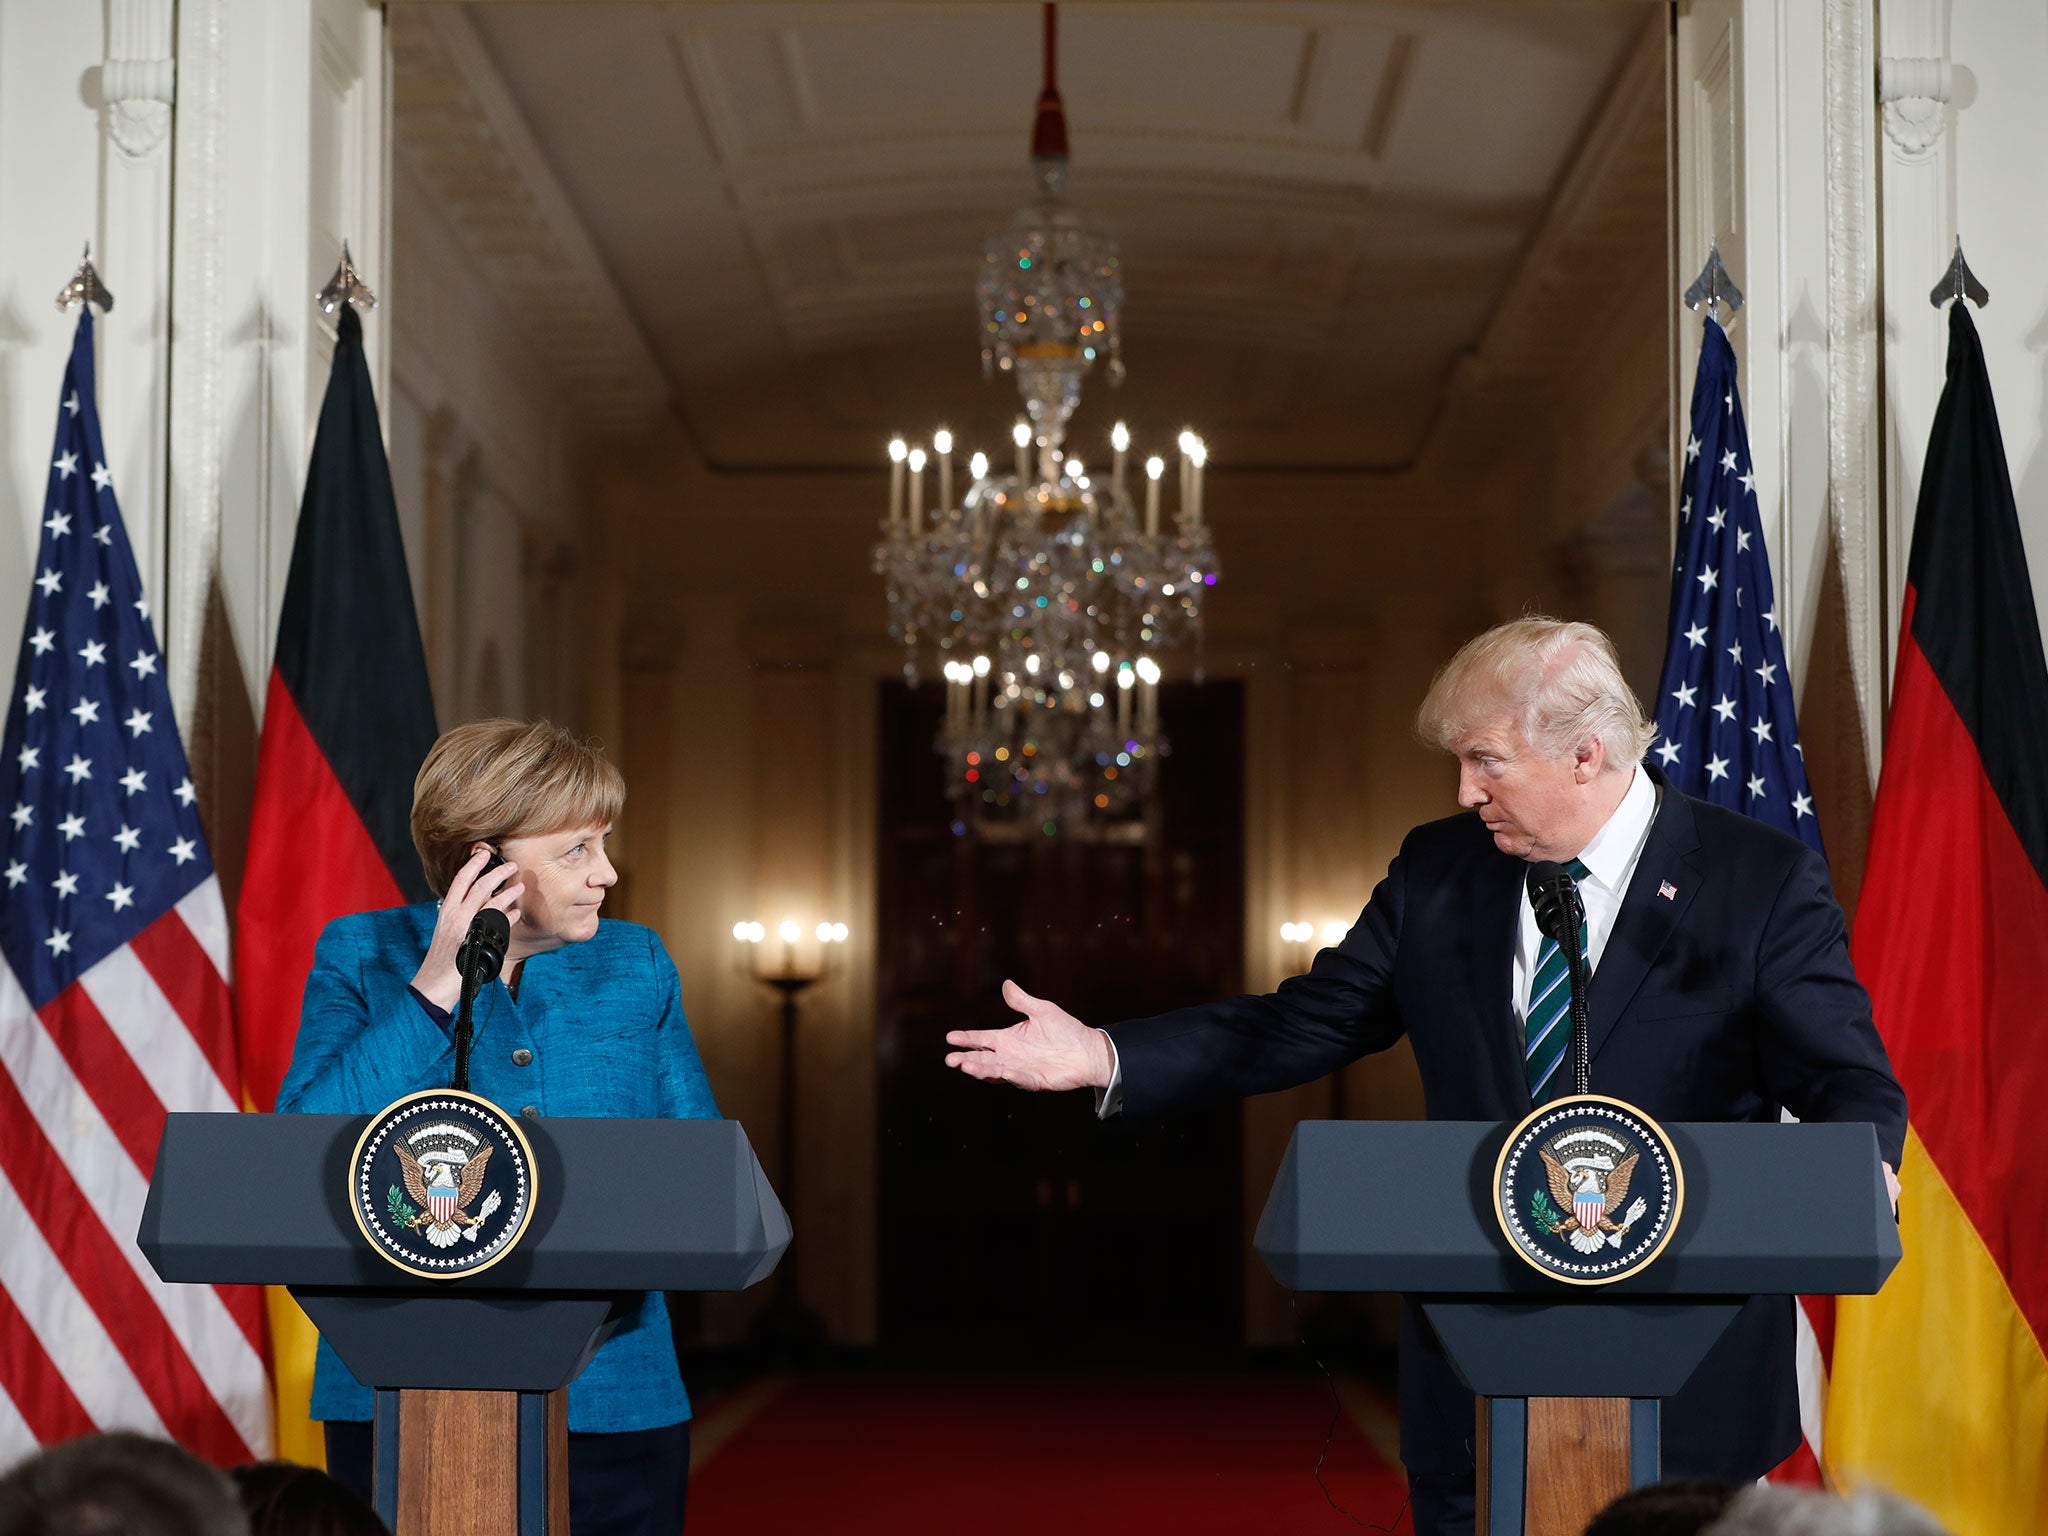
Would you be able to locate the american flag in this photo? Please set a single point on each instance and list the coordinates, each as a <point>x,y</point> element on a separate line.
<point>1726,730</point>
<point>114,1007</point>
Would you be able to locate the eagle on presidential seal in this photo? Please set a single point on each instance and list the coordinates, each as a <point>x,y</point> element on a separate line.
<point>1585,1190</point>
<point>445,1186</point>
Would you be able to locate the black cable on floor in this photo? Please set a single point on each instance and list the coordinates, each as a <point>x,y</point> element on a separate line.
<point>1330,1436</point>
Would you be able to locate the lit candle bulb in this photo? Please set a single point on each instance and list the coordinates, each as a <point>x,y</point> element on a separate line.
<point>916,488</point>
<point>1120,440</point>
<point>1187,473</point>
<point>1148,694</point>
<point>978,466</point>
<point>942,445</point>
<point>898,452</point>
<point>1154,468</point>
<point>1021,436</point>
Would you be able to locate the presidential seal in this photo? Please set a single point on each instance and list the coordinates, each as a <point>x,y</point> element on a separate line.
<point>1588,1189</point>
<point>442,1183</point>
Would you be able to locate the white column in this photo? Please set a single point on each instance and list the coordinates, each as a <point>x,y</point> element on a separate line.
<point>282,153</point>
<point>63,181</point>
<point>1776,158</point>
<point>1917,158</point>
<point>132,253</point>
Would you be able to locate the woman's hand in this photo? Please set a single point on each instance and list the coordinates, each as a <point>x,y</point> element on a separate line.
<point>437,980</point>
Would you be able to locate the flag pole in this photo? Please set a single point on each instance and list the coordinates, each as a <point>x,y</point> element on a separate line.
<point>85,287</point>
<point>1714,287</point>
<point>346,287</point>
<point>1959,282</point>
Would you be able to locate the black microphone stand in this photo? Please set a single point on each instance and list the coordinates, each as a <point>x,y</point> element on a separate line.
<point>465,1030</point>
<point>1581,984</point>
<point>1560,914</point>
<point>478,962</point>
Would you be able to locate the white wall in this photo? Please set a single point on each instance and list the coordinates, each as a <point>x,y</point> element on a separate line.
<point>63,182</point>
<point>482,443</point>
<point>1999,124</point>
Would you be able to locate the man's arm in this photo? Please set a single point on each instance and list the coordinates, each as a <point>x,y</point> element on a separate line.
<point>1341,1009</point>
<point>1821,1054</point>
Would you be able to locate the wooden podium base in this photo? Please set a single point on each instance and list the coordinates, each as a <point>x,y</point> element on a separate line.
<point>1548,1465</point>
<point>473,1463</point>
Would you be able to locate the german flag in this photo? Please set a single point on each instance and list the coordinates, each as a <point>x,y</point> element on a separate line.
<point>347,720</point>
<point>1940,1386</point>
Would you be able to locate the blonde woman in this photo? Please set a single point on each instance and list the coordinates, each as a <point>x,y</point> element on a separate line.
<point>585,1019</point>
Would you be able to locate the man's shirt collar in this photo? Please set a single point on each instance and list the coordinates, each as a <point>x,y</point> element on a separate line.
<point>1611,853</point>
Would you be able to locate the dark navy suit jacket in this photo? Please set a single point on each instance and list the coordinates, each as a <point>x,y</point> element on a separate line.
<point>1727,1000</point>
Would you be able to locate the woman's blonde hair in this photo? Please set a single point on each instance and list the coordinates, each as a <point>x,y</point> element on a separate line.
<point>493,779</point>
<point>1559,682</point>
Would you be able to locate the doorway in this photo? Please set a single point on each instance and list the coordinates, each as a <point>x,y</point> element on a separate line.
<point>1017,1228</point>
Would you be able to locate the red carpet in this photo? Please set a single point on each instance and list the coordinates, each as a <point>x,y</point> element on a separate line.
<point>1065,1454</point>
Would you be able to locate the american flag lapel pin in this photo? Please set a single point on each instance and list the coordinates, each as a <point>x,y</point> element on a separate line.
<point>1668,891</point>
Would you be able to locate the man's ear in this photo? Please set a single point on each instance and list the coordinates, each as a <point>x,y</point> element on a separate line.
<point>1589,757</point>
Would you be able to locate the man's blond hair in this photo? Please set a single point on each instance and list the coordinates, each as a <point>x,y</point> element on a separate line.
<point>1559,683</point>
<point>494,779</point>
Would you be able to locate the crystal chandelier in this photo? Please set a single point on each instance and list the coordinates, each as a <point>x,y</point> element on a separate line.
<point>1046,592</point>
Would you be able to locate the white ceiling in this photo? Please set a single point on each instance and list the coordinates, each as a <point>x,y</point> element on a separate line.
<point>1321,206</point>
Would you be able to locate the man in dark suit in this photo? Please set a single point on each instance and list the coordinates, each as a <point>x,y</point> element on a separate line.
<point>1721,990</point>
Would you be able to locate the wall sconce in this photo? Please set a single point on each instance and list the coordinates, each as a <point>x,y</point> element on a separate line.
<point>788,1328</point>
<point>788,961</point>
<point>1305,933</point>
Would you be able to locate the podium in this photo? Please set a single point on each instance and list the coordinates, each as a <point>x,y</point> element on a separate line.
<point>470,1375</point>
<point>1407,1206</point>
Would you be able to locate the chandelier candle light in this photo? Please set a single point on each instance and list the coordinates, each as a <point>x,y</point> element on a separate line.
<point>1045,594</point>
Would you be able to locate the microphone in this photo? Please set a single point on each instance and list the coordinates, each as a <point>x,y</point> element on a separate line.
<point>478,962</point>
<point>1556,902</point>
<point>1554,897</point>
<point>482,954</point>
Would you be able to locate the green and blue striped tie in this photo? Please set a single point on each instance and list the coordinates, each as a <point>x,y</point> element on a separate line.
<point>1549,1028</point>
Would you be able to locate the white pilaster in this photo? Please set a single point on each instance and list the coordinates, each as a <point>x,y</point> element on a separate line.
<point>282,154</point>
<point>1917,164</point>
<point>1775,153</point>
<point>137,88</point>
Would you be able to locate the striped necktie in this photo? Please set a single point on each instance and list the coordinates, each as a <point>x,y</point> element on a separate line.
<point>1549,1027</point>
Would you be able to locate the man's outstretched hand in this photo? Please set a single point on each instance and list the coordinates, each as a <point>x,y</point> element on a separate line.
<point>1048,1050</point>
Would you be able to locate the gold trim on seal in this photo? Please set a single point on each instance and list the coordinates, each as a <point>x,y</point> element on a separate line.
<point>1500,1164</point>
<point>355,1164</point>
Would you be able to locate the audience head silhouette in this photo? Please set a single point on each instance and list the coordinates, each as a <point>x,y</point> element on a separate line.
<point>1684,1507</point>
<point>285,1499</point>
<point>118,1484</point>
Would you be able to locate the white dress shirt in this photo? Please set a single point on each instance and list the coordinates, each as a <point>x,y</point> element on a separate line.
<point>1610,860</point>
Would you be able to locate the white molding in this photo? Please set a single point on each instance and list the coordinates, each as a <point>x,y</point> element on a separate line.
<point>1855,508</point>
<point>1797,189</point>
<point>1915,94</point>
<point>133,252</point>
<point>280,146</point>
<point>462,134</point>
<point>1919,203</point>
<point>138,81</point>
<point>198,301</point>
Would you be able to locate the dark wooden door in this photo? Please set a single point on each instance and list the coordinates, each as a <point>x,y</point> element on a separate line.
<point>1016,1226</point>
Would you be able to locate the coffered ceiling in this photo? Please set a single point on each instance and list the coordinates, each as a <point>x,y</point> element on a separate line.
<point>765,220</point>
